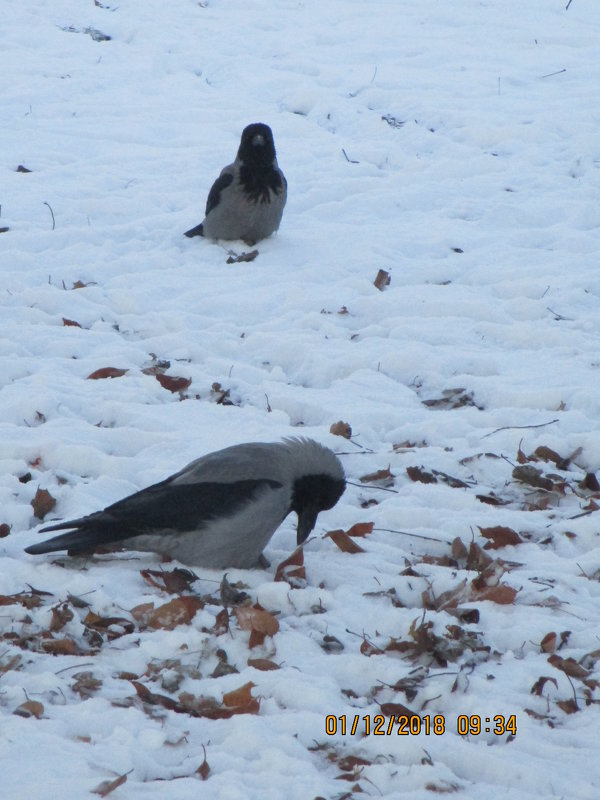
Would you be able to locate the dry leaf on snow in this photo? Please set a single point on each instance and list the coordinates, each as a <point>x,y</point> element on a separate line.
<point>42,503</point>
<point>106,787</point>
<point>382,279</point>
<point>259,622</point>
<point>60,647</point>
<point>263,664</point>
<point>179,611</point>
<point>292,569</point>
<point>538,686</point>
<point>344,542</point>
<point>173,581</point>
<point>30,708</point>
<point>569,666</point>
<point>379,475</point>
<point>548,643</point>
<point>341,429</point>
<point>499,536</point>
<point>106,372</point>
<point>173,383</point>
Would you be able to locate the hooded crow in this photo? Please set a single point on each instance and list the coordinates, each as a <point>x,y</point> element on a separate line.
<point>247,199</point>
<point>219,511</point>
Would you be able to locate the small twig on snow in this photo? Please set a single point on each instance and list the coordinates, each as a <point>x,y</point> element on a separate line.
<point>349,160</point>
<point>75,666</point>
<point>558,72</point>
<point>414,535</point>
<point>52,212</point>
<point>559,317</point>
<point>519,427</point>
<point>363,486</point>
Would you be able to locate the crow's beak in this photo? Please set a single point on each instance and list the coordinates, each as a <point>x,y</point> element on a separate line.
<point>307,519</point>
<point>258,140</point>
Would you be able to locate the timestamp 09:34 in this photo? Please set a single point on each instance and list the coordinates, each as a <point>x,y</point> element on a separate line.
<point>404,725</point>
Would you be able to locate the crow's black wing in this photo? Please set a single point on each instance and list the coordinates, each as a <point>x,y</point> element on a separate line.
<point>224,180</point>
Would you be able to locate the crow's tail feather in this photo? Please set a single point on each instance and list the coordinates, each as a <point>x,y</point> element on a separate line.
<point>197,231</point>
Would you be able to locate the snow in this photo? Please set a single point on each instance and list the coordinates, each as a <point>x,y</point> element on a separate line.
<point>454,146</point>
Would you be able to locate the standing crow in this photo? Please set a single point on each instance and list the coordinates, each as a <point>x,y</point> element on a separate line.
<point>219,511</point>
<point>247,199</point>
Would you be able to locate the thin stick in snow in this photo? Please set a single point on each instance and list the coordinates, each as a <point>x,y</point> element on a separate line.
<point>52,212</point>
<point>519,427</point>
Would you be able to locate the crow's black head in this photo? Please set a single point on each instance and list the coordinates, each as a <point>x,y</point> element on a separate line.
<point>259,175</point>
<point>312,494</point>
<point>257,147</point>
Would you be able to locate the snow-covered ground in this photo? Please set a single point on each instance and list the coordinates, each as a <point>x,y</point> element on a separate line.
<point>453,145</point>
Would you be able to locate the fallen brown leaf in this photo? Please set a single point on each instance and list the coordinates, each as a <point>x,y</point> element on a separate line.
<point>23,599</point>
<point>548,643</point>
<point>14,662</point>
<point>569,666</point>
<point>491,500</point>
<point>477,558</point>
<point>239,697</point>
<point>444,787</point>
<point>532,476</point>
<point>341,429</point>
<point>220,395</point>
<point>173,581</point>
<point>459,551</point>
<point>179,611</point>
<point>350,763</point>
<point>501,594</point>
<point>538,686</point>
<point>544,453</point>
<point>173,383</point>
<point>369,649</point>
<point>379,475</point>
<point>30,708</point>
<point>85,684</point>
<point>453,398</point>
<point>106,372</point>
<point>140,613</point>
<point>263,664</point>
<point>238,259</point>
<point>292,569</point>
<point>590,482</point>
<point>568,706</point>
<point>344,542</point>
<point>221,625</point>
<point>382,279</point>
<point>209,708</point>
<point>61,615</point>
<point>60,647</point>
<point>361,529</point>
<point>396,710</point>
<point>499,536</point>
<point>113,627</point>
<point>204,770</point>
<point>106,787</point>
<point>42,503</point>
<point>420,475</point>
<point>251,618</point>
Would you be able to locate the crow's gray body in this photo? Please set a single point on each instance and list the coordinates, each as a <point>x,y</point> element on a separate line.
<point>220,510</point>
